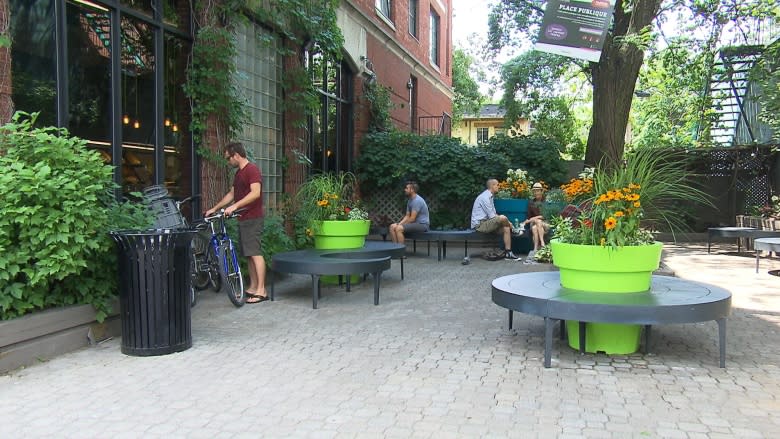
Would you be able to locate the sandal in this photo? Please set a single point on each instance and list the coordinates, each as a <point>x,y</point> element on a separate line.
<point>258,298</point>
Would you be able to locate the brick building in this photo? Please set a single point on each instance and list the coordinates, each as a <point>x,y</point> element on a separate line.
<point>129,104</point>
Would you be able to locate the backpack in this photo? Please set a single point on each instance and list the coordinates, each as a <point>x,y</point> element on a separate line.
<point>493,254</point>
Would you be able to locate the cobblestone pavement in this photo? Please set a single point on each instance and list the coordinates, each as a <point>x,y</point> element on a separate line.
<point>434,360</point>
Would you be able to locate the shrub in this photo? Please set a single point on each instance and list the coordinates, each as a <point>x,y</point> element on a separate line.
<point>447,170</point>
<point>539,156</point>
<point>58,205</point>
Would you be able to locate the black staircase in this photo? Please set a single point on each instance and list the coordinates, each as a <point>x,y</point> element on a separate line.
<point>728,90</point>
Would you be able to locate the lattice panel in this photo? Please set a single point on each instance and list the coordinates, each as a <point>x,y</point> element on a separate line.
<point>394,204</point>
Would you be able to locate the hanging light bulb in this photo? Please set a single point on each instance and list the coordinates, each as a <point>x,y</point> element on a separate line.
<point>167,122</point>
<point>175,128</point>
<point>126,119</point>
<point>137,124</point>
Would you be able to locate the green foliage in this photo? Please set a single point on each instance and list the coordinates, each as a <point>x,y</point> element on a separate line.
<point>767,75</point>
<point>646,191</point>
<point>211,85</point>
<point>327,196</point>
<point>275,240</point>
<point>537,155</point>
<point>675,110</point>
<point>454,172</point>
<point>58,206</point>
<point>531,92</point>
<point>467,99</point>
<point>380,105</point>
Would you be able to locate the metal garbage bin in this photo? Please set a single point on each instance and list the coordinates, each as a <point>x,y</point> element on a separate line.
<point>154,290</point>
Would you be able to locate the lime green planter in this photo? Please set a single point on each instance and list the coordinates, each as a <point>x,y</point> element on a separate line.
<point>341,234</point>
<point>610,338</point>
<point>336,235</point>
<point>606,270</point>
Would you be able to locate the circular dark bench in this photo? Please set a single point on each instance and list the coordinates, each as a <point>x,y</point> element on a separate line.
<point>374,258</point>
<point>669,300</point>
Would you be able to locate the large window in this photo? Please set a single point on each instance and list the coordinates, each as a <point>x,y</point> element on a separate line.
<point>34,65</point>
<point>331,128</point>
<point>434,44</point>
<point>384,7</point>
<point>260,78</point>
<point>113,76</point>
<point>414,6</point>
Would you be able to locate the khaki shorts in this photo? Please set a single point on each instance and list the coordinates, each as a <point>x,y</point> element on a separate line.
<point>249,237</point>
<point>489,225</point>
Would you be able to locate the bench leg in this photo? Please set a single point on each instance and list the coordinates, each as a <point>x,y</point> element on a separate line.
<point>756,261</point>
<point>465,249</point>
<point>271,278</point>
<point>402,268</point>
<point>582,337</point>
<point>709,239</point>
<point>349,282</point>
<point>429,248</point>
<point>414,246</point>
<point>510,319</point>
<point>438,251</point>
<point>562,330</point>
<point>722,341</point>
<point>647,339</point>
<point>548,330</point>
<point>315,290</point>
<point>377,277</point>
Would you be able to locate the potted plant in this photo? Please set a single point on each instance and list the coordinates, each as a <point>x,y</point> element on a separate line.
<point>512,196</point>
<point>607,249</point>
<point>329,214</point>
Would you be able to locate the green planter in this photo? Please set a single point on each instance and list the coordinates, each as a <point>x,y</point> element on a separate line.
<point>341,234</point>
<point>606,270</point>
<point>335,235</point>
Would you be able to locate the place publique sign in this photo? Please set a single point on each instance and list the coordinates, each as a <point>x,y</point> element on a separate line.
<point>575,28</point>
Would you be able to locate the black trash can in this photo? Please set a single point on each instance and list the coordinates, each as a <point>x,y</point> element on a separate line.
<point>154,290</point>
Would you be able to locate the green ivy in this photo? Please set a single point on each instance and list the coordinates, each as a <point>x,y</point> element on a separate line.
<point>58,206</point>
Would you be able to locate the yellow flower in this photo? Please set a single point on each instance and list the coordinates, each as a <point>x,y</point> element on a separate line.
<point>610,223</point>
<point>619,213</point>
<point>322,203</point>
<point>637,204</point>
<point>603,241</point>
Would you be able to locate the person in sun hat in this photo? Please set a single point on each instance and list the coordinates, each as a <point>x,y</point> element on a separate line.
<point>536,221</point>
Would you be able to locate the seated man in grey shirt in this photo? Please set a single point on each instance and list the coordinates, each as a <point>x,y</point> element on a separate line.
<point>416,218</point>
<point>485,219</point>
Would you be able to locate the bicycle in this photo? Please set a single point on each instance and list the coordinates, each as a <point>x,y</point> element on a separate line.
<point>215,263</point>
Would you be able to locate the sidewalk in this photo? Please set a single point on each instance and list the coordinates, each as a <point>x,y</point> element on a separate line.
<point>433,360</point>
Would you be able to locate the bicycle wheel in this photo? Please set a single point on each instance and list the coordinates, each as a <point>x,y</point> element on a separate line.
<point>200,272</point>
<point>234,283</point>
<point>213,268</point>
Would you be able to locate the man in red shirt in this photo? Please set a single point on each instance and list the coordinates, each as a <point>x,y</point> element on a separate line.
<point>247,194</point>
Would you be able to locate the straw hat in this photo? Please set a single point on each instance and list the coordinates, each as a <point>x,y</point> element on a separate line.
<point>537,185</point>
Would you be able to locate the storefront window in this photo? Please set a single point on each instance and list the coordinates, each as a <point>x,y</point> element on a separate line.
<point>330,144</point>
<point>89,75</point>
<point>33,52</point>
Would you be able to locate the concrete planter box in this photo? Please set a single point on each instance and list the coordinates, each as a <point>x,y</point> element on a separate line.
<point>45,334</point>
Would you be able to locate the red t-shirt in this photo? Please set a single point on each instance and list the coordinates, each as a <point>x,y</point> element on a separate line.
<point>242,186</point>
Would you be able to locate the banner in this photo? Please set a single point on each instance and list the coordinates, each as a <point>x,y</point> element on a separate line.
<point>575,28</point>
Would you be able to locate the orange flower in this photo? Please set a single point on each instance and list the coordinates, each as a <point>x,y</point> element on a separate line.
<point>610,223</point>
<point>619,213</point>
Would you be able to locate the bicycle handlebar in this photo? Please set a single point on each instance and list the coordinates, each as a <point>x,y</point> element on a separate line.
<point>221,213</point>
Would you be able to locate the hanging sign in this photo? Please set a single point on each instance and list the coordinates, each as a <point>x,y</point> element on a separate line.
<point>575,28</point>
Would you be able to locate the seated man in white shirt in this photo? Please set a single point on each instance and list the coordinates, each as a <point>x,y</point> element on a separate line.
<point>485,219</point>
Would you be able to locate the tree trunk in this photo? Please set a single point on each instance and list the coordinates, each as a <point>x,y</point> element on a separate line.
<point>6,87</point>
<point>614,79</point>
